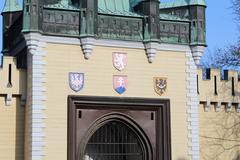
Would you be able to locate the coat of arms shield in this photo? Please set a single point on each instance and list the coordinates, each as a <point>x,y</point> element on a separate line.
<point>76,81</point>
<point>119,60</point>
<point>160,85</point>
<point>120,83</point>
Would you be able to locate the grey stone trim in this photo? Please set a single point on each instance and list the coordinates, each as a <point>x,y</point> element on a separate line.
<point>121,44</point>
<point>228,107</point>
<point>36,97</point>
<point>117,43</point>
<point>218,106</point>
<point>207,106</point>
<point>60,40</point>
<point>192,108</point>
<point>8,100</point>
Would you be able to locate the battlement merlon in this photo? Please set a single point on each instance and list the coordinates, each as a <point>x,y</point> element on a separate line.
<point>219,88</point>
<point>13,81</point>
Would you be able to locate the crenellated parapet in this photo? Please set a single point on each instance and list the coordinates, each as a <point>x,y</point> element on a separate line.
<point>13,81</point>
<point>219,89</point>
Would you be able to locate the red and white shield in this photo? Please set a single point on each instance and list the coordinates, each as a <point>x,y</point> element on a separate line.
<point>76,81</point>
<point>120,83</point>
<point>119,60</point>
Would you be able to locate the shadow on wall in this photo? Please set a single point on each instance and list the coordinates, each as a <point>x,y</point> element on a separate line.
<point>19,144</point>
<point>238,157</point>
<point>20,116</point>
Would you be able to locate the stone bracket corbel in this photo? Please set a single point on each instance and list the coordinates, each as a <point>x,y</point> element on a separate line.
<point>218,106</point>
<point>8,100</point>
<point>228,106</point>
<point>238,108</point>
<point>87,44</point>
<point>151,50</point>
<point>32,41</point>
<point>197,52</point>
<point>207,106</point>
<point>22,100</point>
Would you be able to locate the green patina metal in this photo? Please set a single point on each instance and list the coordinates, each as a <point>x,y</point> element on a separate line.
<point>133,3</point>
<point>116,7</point>
<point>180,3</point>
<point>62,4</point>
<point>173,17</point>
<point>11,6</point>
<point>135,20</point>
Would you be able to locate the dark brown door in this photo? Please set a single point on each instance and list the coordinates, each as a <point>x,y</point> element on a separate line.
<point>107,128</point>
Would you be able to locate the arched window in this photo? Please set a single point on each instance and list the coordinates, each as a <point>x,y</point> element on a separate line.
<point>115,140</point>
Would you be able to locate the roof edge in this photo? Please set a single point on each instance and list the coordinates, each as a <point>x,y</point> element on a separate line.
<point>11,6</point>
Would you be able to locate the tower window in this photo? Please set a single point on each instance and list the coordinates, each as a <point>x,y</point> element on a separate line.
<point>194,24</point>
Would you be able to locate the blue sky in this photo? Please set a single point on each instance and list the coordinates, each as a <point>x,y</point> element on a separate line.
<point>221,24</point>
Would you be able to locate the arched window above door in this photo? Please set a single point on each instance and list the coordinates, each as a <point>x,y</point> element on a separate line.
<point>114,140</point>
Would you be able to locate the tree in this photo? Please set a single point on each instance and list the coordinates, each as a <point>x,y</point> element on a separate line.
<point>225,140</point>
<point>236,7</point>
<point>228,57</point>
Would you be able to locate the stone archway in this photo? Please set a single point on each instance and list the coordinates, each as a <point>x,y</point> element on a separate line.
<point>91,122</point>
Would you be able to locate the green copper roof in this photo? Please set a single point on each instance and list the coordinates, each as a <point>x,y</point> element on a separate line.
<point>63,4</point>
<point>116,7</point>
<point>11,6</point>
<point>179,3</point>
<point>135,2</point>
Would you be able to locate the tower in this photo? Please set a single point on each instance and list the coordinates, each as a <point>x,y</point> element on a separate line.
<point>88,25</point>
<point>198,28</point>
<point>11,16</point>
<point>150,10</point>
<point>32,15</point>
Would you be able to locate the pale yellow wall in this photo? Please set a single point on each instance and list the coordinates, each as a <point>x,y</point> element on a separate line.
<point>62,59</point>
<point>11,130</point>
<point>18,78</point>
<point>219,131</point>
<point>224,88</point>
<point>219,135</point>
<point>12,116</point>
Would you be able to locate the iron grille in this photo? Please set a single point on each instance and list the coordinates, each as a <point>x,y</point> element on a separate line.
<point>114,141</point>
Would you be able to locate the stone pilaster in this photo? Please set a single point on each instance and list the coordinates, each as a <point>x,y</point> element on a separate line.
<point>36,97</point>
<point>192,105</point>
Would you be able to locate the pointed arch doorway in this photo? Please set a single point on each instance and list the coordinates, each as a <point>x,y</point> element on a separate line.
<point>108,128</point>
